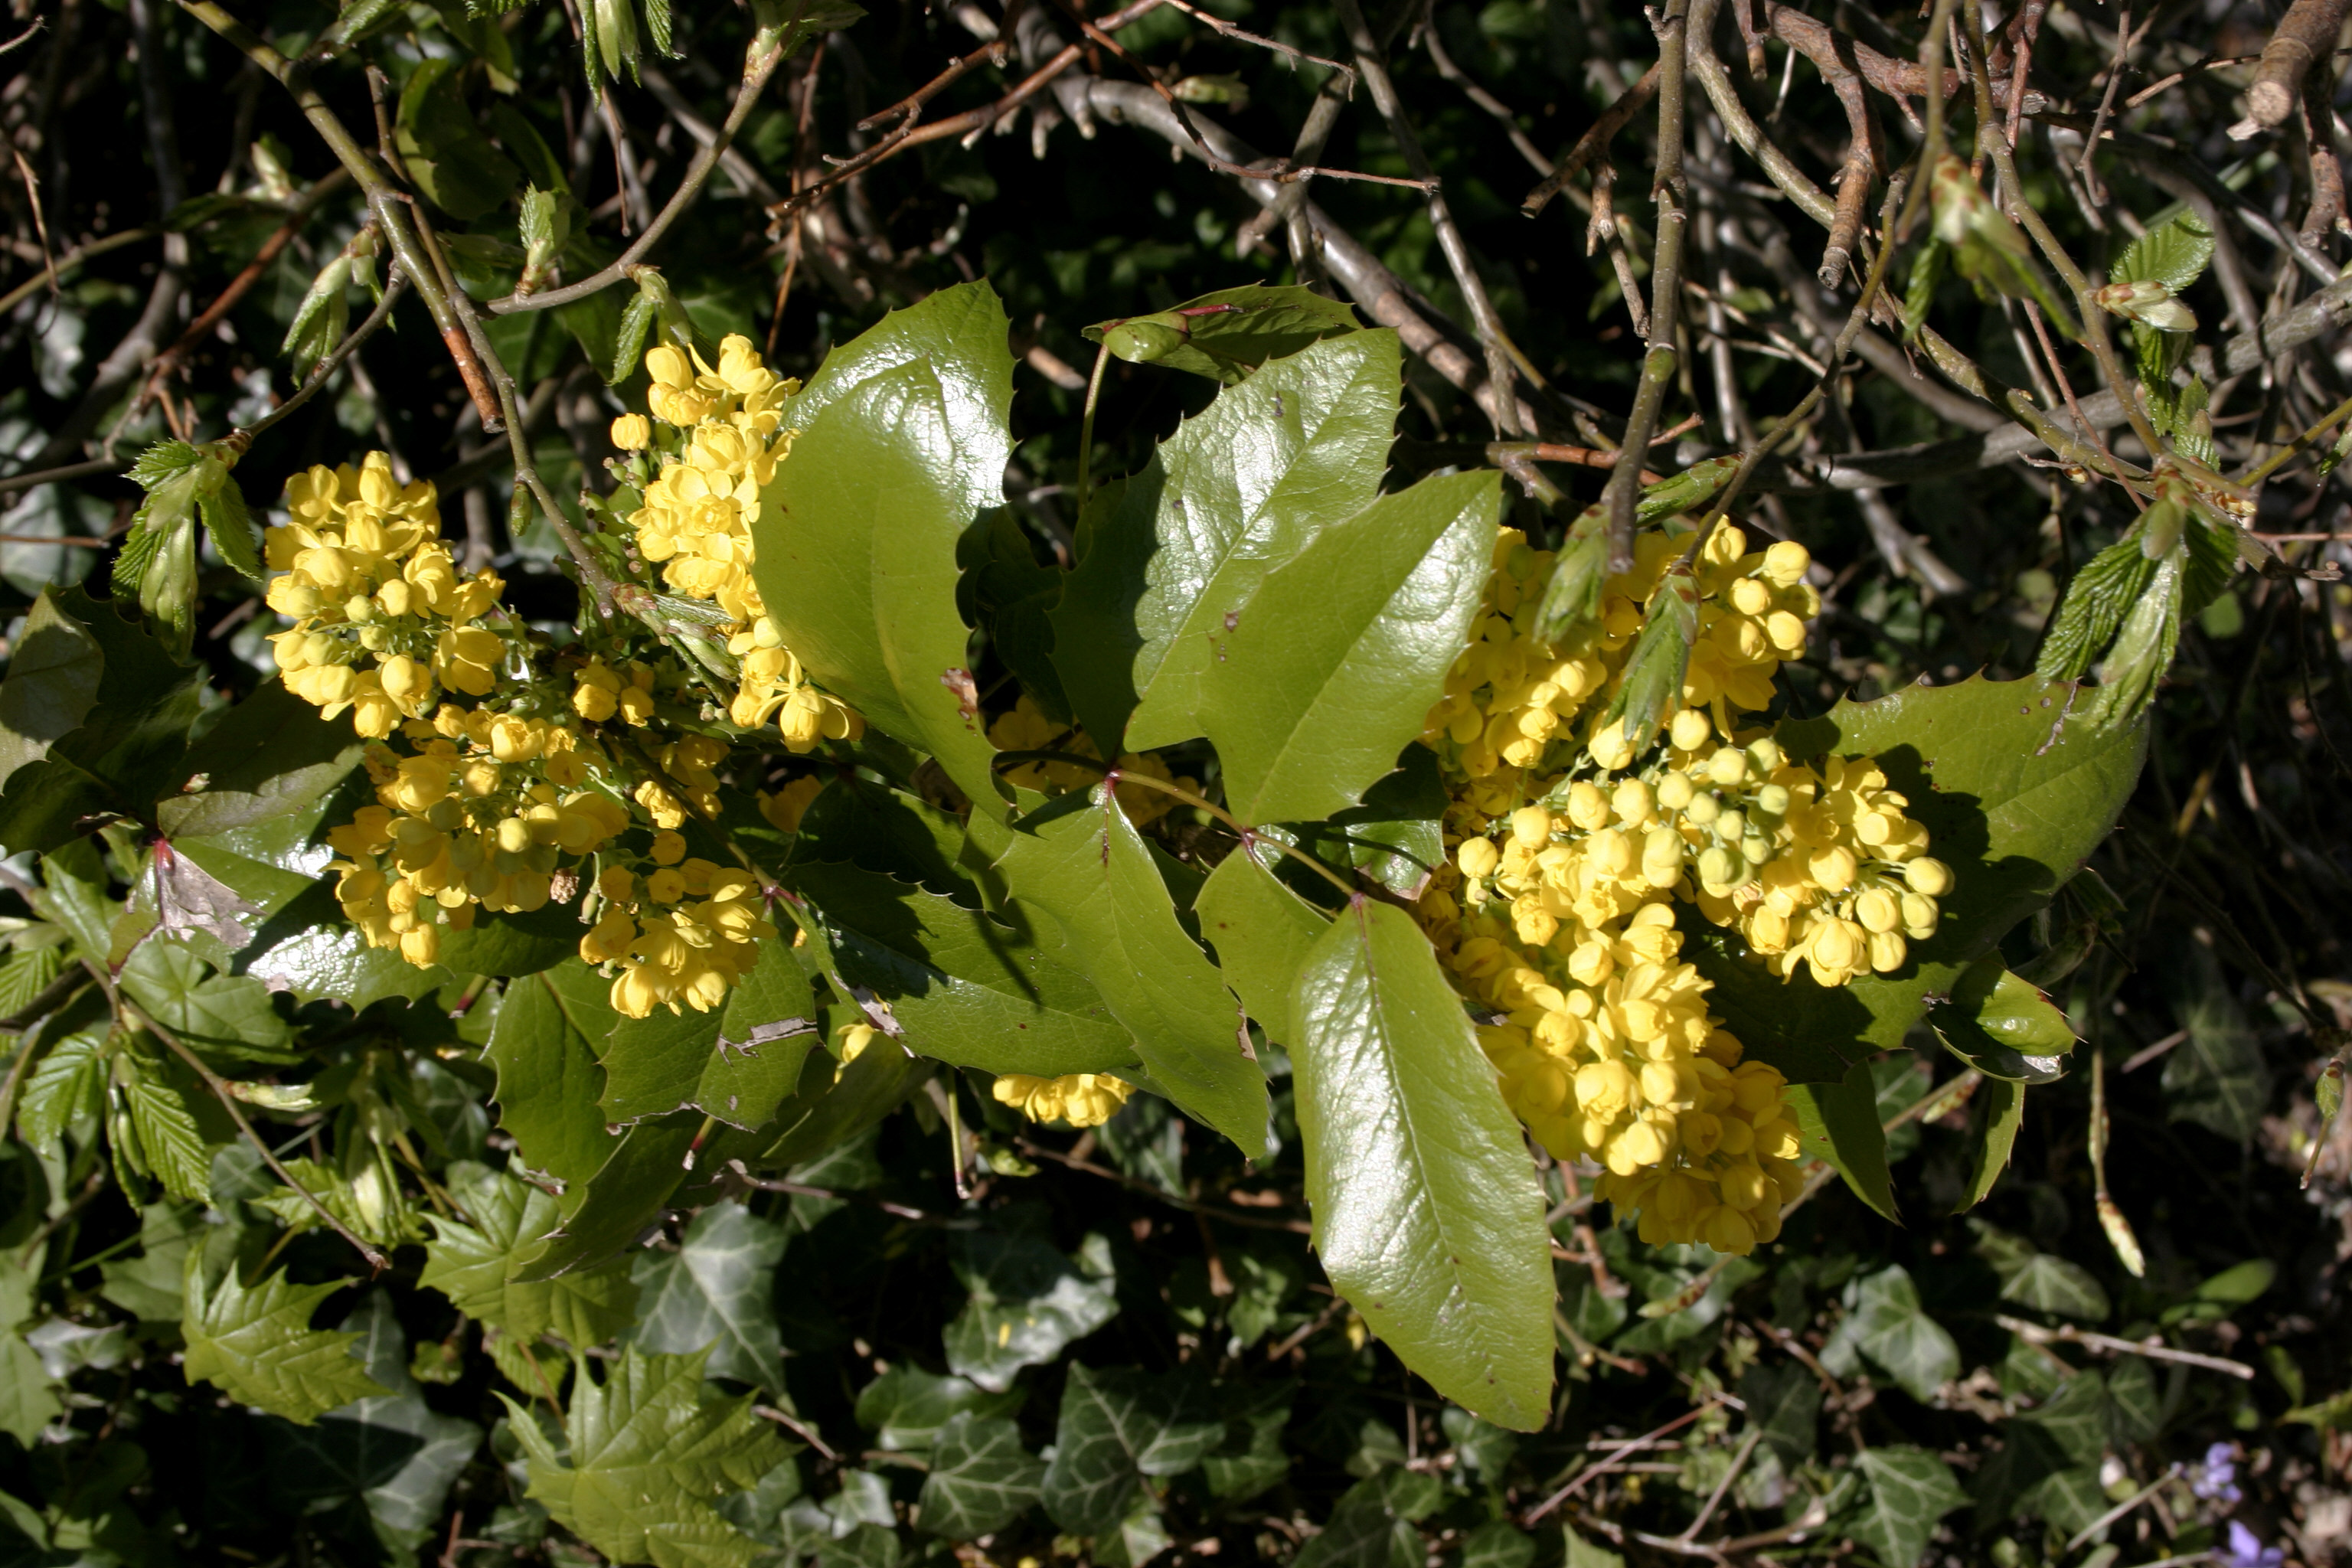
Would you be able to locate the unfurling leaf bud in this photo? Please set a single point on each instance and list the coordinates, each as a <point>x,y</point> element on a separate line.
<point>2148,302</point>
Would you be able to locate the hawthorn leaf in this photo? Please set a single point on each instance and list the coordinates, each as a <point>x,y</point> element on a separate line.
<point>1428,1217</point>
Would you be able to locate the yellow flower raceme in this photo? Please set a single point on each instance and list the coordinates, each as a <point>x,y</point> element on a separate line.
<point>1025,727</point>
<point>1554,913</point>
<point>1082,1099</point>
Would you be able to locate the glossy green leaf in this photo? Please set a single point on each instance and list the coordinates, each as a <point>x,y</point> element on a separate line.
<point>650,1449</point>
<point>902,442</point>
<point>1427,1214</point>
<point>1166,555</point>
<point>1262,934</point>
<point>270,755</point>
<point>1230,333</point>
<point>1027,1303</point>
<point>170,1137</point>
<point>608,1212</point>
<point>737,1063</point>
<point>54,666</point>
<point>716,1293</point>
<point>981,1478</point>
<point>257,1344</point>
<point>1330,668</point>
<point>478,1266</point>
<point>548,1082</point>
<point>1839,1122</point>
<point>2014,796</point>
<point>2002,1025</point>
<point>1910,1490</point>
<point>967,987</point>
<point>907,1408</point>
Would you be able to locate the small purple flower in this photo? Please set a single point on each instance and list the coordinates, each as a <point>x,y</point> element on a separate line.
<point>2247,1550</point>
<point>2215,1479</point>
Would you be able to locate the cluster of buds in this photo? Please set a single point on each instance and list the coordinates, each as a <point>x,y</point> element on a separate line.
<point>687,932</point>
<point>1573,840</point>
<point>699,503</point>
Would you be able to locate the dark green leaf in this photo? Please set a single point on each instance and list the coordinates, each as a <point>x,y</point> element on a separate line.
<point>1839,1122</point>
<point>1784,1403</point>
<point>1427,1213</point>
<point>1993,1121</point>
<point>980,1481</point>
<point>443,149</point>
<point>1910,1490</point>
<point>1115,1426</point>
<point>1888,1325</point>
<point>548,1082</point>
<point>2217,1077</point>
<point>2050,1284</point>
<point>271,756</point>
<point>1364,1532</point>
<point>1027,1303</point>
<point>612,1208</point>
<point>54,666</point>
<point>2002,1025</point>
<point>906,1407</point>
<point>716,1293</point>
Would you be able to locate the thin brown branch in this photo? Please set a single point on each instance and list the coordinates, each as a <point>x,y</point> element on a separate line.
<point>1594,141</point>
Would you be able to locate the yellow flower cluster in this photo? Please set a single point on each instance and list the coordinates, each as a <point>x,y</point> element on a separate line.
<point>1080,1098</point>
<point>483,814</point>
<point>685,933</point>
<point>382,620</point>
<point>1556,913</point>
<point>696,521</point>
<point>1025,727</point>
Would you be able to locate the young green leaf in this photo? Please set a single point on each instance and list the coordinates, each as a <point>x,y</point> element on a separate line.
<point>650,1449</point>
<point>1078,868</point>
<point>258,1345</point>
<point>2102,593</point>
<point>1230,333</point>
<point>1427,1213</point>
<point>1166,556</point>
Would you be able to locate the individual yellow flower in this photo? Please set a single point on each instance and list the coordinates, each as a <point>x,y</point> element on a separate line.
<point>1082,1099</point>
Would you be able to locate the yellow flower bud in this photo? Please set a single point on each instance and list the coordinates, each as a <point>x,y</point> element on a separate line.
<point>1477,857</point>
<point>1786,563</point>
<point>1928,876</point>
<point>632,432</point>
<point>1531,826</point>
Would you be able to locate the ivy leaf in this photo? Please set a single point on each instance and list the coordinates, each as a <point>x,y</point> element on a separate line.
<point>390,1454</point>
<point>1887,1324</point>
<point>969,988</point>
<point>980,1481</point>
<point>1115,1426</point>
<point>549,1081</point>
<point>1253,1455</point>
<point>1230,333</point>
<point>1910,1490</point>
<point>1784,1404</point>
<point>2013,793</point>
<point>2056,1285</point>
<point>2217,1077</point>
<point>257,1344</point>
<point>1427,1213</point>
<point>716,1293</point>
<point>903,440</point>
<point>1329,669</point>
<point>905,1408</point>
<point>1028,1301</point>
<point>1365,1530</point>
<point>649,1450</point>
<point>480,1266</point>
<point>1080,867</point>
<point>1165,555</point>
